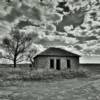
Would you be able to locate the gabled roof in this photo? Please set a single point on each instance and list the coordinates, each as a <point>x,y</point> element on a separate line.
<point>54,51</point>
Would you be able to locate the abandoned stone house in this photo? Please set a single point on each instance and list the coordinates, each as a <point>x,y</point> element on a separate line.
<point>56,58</point>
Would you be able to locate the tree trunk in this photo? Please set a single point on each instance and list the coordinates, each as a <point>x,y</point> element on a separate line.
<point>32,63</point>
<point>15,62</point>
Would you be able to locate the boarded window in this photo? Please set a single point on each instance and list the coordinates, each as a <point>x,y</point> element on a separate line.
<point>52,63</point>
<point>58,66</point>
<point>68,64</point>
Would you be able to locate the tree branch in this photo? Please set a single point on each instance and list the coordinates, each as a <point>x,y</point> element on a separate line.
<point>7,58</point>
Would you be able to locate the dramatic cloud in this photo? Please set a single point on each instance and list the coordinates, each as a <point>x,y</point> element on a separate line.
<point>71,24</point>
<point>75,19</point>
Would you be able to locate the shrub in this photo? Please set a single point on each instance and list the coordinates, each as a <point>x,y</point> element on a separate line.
<point>63,74</point>
<point>41,74</point>
<point>83,72</point>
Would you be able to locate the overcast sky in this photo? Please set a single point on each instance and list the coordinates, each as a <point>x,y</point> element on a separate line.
<point>74,24</point>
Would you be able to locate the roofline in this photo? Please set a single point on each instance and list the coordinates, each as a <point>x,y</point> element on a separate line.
<point>76,55</point>
<point>53,56</point>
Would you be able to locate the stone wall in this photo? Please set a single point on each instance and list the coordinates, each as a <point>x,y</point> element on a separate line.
<point>44,62</point>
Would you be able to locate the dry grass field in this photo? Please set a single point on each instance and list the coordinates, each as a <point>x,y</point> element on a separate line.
<point>65,89</point>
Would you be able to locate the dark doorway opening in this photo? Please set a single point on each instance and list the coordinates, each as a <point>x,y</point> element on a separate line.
<point>58,64</point>
<point>68,64</point>
<point>52,63</point>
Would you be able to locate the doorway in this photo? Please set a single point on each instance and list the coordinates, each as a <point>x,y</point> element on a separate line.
<point>68,64</point>
<point>52,63</point>
<point>58,65</point>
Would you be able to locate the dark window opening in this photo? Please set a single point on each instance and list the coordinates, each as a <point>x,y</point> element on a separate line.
<point>52,63</point>
<point>68,64</point>
<point>58,64</point>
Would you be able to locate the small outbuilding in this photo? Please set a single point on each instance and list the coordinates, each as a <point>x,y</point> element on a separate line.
<point>56,58</point>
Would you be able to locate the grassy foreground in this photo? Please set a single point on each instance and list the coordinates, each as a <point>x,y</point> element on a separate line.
<point>65,89</point>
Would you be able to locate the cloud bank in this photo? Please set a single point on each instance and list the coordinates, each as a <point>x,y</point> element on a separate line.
<point>75,24</point>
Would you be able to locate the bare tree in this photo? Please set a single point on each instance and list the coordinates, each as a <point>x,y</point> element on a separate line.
<point>16,45</point>
<point>31,53</point>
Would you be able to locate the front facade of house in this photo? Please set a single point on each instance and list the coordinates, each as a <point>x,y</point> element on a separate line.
<point>56,58</point>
